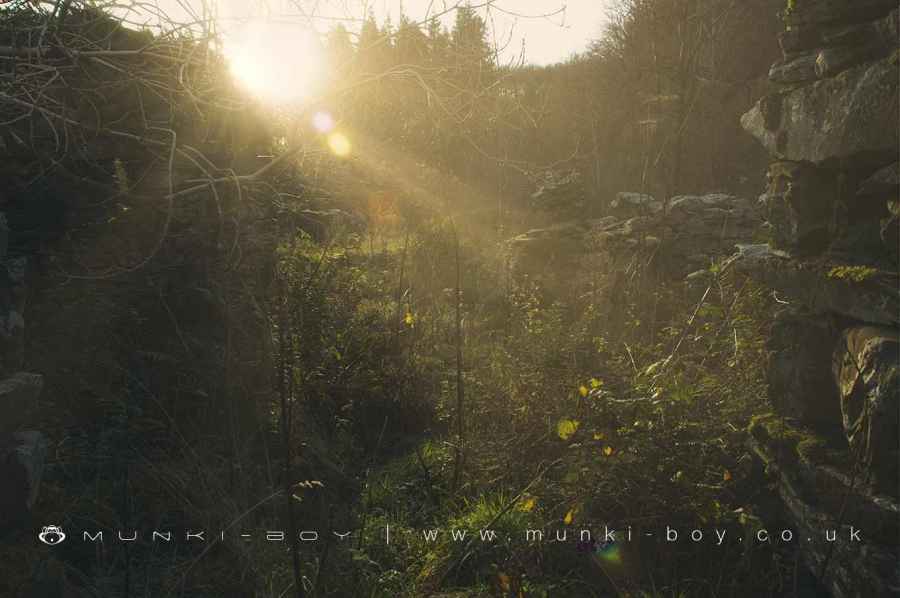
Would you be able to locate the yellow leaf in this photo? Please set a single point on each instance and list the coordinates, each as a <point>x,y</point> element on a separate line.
<point>570,516</point>
<point>608,451</point>
<point>566,428</point>
<point>726,476</point>
<point>583,390</point>
<point>527,505</point>
<point>409,319</point>
<point>595,383</point>
<point>599,435</point>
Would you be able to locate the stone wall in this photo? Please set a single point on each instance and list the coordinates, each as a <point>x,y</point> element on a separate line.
<point>685,235</point>
<point>830,123</point>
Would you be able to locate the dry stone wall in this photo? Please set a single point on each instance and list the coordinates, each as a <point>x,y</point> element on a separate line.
<point>830,125</point>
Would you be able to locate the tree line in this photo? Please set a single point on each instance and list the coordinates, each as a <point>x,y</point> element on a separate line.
<point>653,104</point>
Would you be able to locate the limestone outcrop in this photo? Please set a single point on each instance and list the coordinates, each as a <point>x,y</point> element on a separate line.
<point>834,96</point>
<point>688,234</point>
<point>830,124</point>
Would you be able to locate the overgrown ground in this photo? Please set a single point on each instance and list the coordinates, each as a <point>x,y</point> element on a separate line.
<point>581,412</point>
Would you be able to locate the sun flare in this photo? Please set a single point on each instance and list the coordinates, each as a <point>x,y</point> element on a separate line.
<point>276,62</point>
<point>339,144</point>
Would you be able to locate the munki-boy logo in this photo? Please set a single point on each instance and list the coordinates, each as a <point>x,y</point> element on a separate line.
<point>51,535</point>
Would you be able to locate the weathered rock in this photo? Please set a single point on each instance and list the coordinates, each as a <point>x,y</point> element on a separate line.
<point>18,395</point>
<point>823,471</point>
<point>880,194</point>
<point>819,285</point>
<point>800,348</point>
<point>839,223</point>
<point>885,183</point>
<point>851,45</point>
<point>851,118</point>
<point>882,33</point>
<point>795,70</point>
<point>856,34</point>
<point>22,458</point>
<point>800,203</point>
<point>757,251</point>
<point>559,189</point>
<point>818,492</point>
<point>694,230</point>
<point>866,366</point>
<point>865,222</point>
<point>688,236</point>
<point>629,204</point>
<point>710,203</point>
<point>807,12</point>
<point>832,61</point>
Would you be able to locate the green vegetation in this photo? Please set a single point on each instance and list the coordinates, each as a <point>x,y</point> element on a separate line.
<point>852,273</point>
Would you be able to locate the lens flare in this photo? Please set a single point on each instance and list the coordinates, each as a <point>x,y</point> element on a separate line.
<point>609,554</point>
<point>323,122</point>
<point>339,144</point>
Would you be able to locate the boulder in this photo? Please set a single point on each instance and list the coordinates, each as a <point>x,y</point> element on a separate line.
<point>799,348</point>
<point>559,189</point>
<point>866,367</point>
<point>795,70</point>
<point>850,119</point>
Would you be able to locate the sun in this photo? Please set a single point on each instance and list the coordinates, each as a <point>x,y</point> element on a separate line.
<point>276,62</point>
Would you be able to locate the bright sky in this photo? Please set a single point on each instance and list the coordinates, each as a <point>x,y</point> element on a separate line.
<point>274,50</point>
<point>551,30</point>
